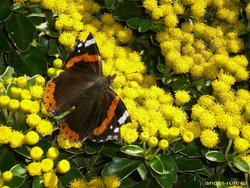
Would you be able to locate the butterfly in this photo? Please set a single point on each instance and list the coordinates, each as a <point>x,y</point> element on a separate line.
<point>96,112</point>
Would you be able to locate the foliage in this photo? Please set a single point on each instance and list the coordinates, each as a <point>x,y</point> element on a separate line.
<point>184,77</point>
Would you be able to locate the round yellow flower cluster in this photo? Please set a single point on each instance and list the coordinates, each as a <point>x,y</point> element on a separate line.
<point>197,48</point>
<point>45,165</point>
<point>226,110</point>
<point>111,181</point>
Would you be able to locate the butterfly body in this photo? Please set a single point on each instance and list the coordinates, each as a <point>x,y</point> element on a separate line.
<point>97,111</point>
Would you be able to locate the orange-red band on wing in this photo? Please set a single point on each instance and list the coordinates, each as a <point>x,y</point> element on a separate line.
<point>69,134</point>
<point>110,114</point>
<point>48,96</point>
<point>84,57</point>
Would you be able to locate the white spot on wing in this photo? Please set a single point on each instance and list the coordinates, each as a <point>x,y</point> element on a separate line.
<point>79,45</point>
<point>89,42</point>
<point>78,51</point>
<point>111,127</point>
<point>116,130</point>
<point>122,119</point>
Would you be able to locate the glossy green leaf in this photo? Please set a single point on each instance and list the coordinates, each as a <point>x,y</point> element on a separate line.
<point>31,62</point>
<point>127,183</point>
<point>161,68</point>
<point>16,181</point>
<point>241,164</point>
<point>121,167</point>
<point>149,183</point>
<point>134,23</point>
<point>142,171</point>
<point>5,9</point>
<point>134,10</point>
<point>231,158</point>
<point>192,150</point>
<point>133,150</point>
<point>69,176</point>
<point>19,170</point>
<point>144,26</point>
<point>112,150</point>
<point>24,151</point>
<point>109,4</point>
<point>178,146</point>
<point>187,180</point>
<point>185,164</point>
<point>92,147</point>
<point>157,165</point>
<point>21,31</point>
<point>204,87</point>
<point>170,172</point>
<point>5,46</point>
<point>180,84</point>
<point>7,160</point>
<point>215,156</point>
<point>166,80</point>
<point>17,6</point>
<point>38,182</point>
<point>9,71</point>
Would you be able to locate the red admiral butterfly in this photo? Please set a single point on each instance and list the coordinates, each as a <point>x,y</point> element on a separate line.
<point>97,111</point>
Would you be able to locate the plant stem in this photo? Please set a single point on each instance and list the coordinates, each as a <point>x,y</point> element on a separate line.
<point>228,146</point>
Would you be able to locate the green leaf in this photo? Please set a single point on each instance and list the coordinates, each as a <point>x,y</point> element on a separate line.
<point>112,150</point>
<point>187,180</point>
<point>170,172</point>
<point>231,158</point>
<point>157,165</point>
<point>127,183</point>
<point>69,176</point>
<point>180,84</point>
<point>19,170</point>
<point>92,147</point>
<point>121,167</point>
<point>133,150</point>
<point>142,171</point>
<point>167,80</point>
<point>21,31</point>
<point>144,26</point>
<point>134,23</point>
<point>241,164</point>
<point>134,10</point>
<point>109,4</point>
<point>5,46</point>
<point>204,87</point>
<point>5,9</point>
<point>7,73</point>
<point>7,159</point>
<point>178,146</point>
<point>192,150</point>
<point>17,6</point>
<point>215,156</point>
<point>185,164</point>
<point>161,67</point>
<point>16,181</point>
<point>149,183</point>
<point>38,182</point>
<point>23,151</point>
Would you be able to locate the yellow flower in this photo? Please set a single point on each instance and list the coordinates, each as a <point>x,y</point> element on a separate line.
<point>207,120</point>
<point>174,132</point>
<point>16,139</point>
<point>224,120</point>
<point>7,176</point>
<point>64,143</point>
<point>197,111</point>
<point>46,165</point>
<point>13,104</point>
<point>50,179</point>
<point>25,94</point>
<point>188,136</point>
<point>163,144</point>
<point>112,181</point>
<point>39,80</point>
<point>4,100</point>
<point>60,6</point>
<point>232,108</point>
<point>232,132</point>
<point>107,19</point>
<point>36,153</point>
<point>34,169</point>
<point>35,108</point>
<point>240,145</point>
<point>76,183</point>
<point>96,182</point>
<point>171,20</point>
<point>25,105</point>
<point>63,166</point>
<point>181,97</point>
<point>21,81</point>
<point>33,120</point>
<point>5,133</point>
<point>67,39</point>
<point>219,86</point>
<point>129,135</point>
<point>31,138</point>
<point>209,138</point>
<point>36,91</point>
<point>245,131</point>
<point>125,35</point>
<point>44,127</point>
<point>52,153</point>
<point>198,9</point>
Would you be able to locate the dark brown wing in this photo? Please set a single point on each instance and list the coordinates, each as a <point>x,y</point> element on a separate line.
<point>97,116</point>
<point>82,67</point>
